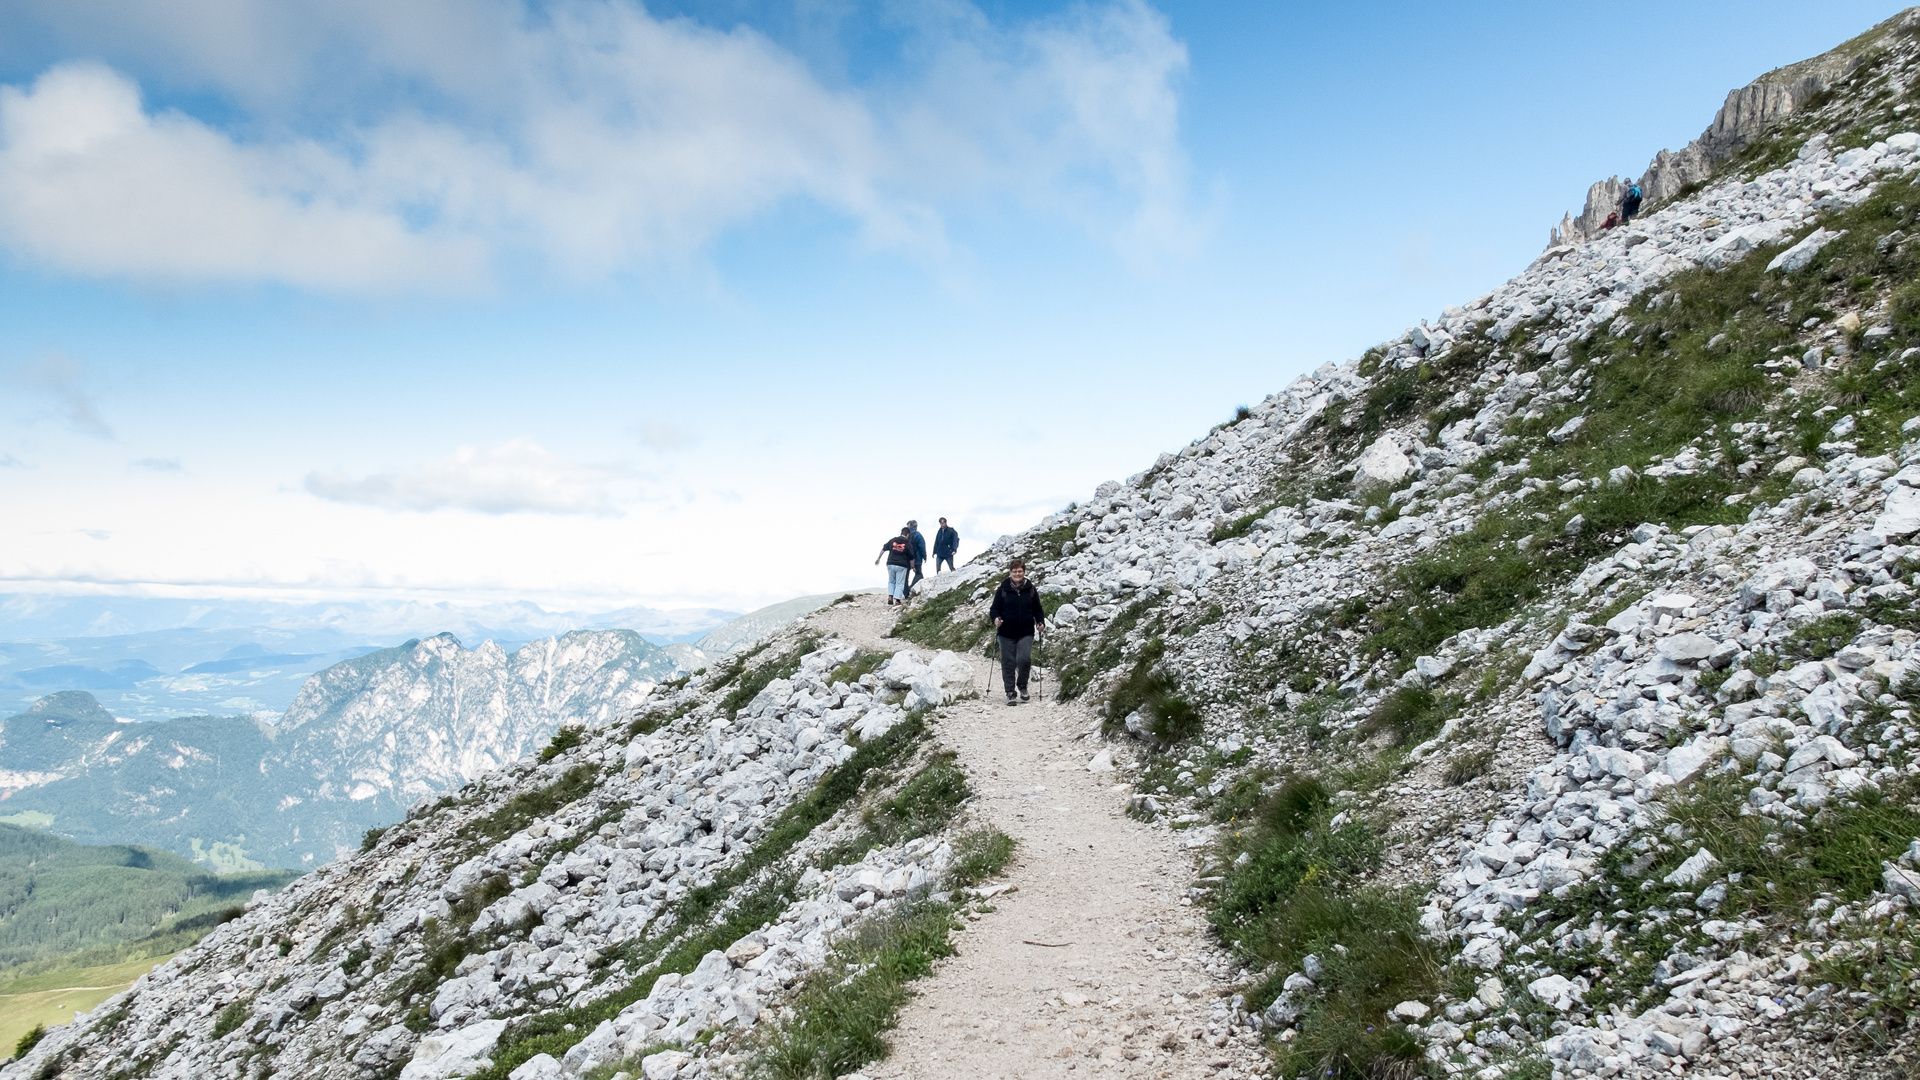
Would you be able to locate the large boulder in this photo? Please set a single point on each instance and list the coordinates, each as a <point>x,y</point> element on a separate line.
<point>1381,465</point>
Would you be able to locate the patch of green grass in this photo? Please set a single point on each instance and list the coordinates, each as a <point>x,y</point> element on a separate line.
<point>1885,970</point>
<point>1838,854</point>
<point>1236,527</point>
<point>230,1018</point>
<point>372,836</point>
<point>1469,764</point>
<point>924,804</point>
<point>842,1013</point>
<point>1149,686</point>
<point>565,739</point>
<point>784,666</point>
<point>1408,716</point>
<point>865,661</point>
<point>528,806</point>
<point>1823,637</point>
<point>1079,659</point>
<point>979,855</point>
<point>931,623</point>
<point>1839,850</point>
<point>1300,892</point>
<point>1242,796</point>
<point>28,1041</point>
<point>730,668</point>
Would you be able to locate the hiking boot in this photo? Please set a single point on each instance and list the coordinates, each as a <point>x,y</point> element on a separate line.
<point>1011,700</point>
<point>1023,697</point>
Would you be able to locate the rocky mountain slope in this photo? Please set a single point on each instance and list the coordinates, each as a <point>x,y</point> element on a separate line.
<point>663,878</point>
<point>1552,664</point>
<point>362,741</point>
<point>1535,691</point>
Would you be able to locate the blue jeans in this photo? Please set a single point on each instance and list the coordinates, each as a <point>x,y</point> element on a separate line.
<point>897,581</point>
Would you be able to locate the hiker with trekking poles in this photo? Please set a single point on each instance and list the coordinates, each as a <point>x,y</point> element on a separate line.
<point>1017,621</point>
<point>898,551</point>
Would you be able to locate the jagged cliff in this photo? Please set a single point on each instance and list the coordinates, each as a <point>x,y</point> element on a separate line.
<point>1749,114</point>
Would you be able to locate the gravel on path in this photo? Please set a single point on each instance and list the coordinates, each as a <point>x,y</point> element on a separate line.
<point>1089,960</point>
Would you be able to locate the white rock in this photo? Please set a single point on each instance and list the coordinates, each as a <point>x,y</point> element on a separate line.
<point>1557,991</point>
<point>1696,867</point>
<point>1900,881</point>
<point>1380,465</point>
<point>537,1067</point>
<point>1483,953</point>
<point>1102,762</point>
<point>1901,515</point>
<point>1795,259</point>
<point>1411,1011</point>
<point>1688,648</point>
<point>664,1065</point>
<point>455,1053</point>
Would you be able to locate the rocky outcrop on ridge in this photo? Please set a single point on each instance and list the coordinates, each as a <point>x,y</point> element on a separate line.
<point>1749,114</point>
<point>631,892</point>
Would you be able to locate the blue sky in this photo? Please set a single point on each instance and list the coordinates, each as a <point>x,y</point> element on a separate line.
<point>594,304</point>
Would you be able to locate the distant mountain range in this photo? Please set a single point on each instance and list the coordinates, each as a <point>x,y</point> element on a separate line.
<point>347,736</point>
<point>152,659</point>
<point>362,741</point>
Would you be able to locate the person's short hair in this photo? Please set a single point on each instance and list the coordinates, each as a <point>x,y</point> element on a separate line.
<point>905,529</point>
<point>943,521</point>
<point>1017,564</point>
<point>911,523</point>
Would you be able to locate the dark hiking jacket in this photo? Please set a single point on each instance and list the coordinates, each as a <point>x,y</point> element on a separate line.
<point>1018,609</point>
<point>946,541</point>
<point>899,551</point>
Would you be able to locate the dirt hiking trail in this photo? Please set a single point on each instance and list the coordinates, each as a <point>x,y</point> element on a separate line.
<point>1088,964</point>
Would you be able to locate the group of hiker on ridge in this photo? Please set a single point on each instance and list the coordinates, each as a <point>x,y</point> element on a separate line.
<point>906,556</point>
<point>1629,206</point>
<point>1018,618</point>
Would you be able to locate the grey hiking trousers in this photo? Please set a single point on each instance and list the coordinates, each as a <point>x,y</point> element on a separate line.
<point>1016,660</point>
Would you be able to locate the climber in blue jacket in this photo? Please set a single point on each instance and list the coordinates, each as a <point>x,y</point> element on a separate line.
<point>946,544</point>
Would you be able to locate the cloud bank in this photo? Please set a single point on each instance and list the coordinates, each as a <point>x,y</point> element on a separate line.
<point>467,142</point>
<point>514,477</point>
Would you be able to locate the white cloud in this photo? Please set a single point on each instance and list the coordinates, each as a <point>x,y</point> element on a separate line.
<point>588,137</point>
<point>157,464</point>
<point>514,477</point>
<point>62,381</point>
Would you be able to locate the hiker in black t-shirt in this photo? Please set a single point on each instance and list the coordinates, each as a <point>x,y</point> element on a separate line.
<point>898,551</point>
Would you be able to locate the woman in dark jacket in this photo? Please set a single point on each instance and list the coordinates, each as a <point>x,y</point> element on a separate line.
<point>1017,619</point>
